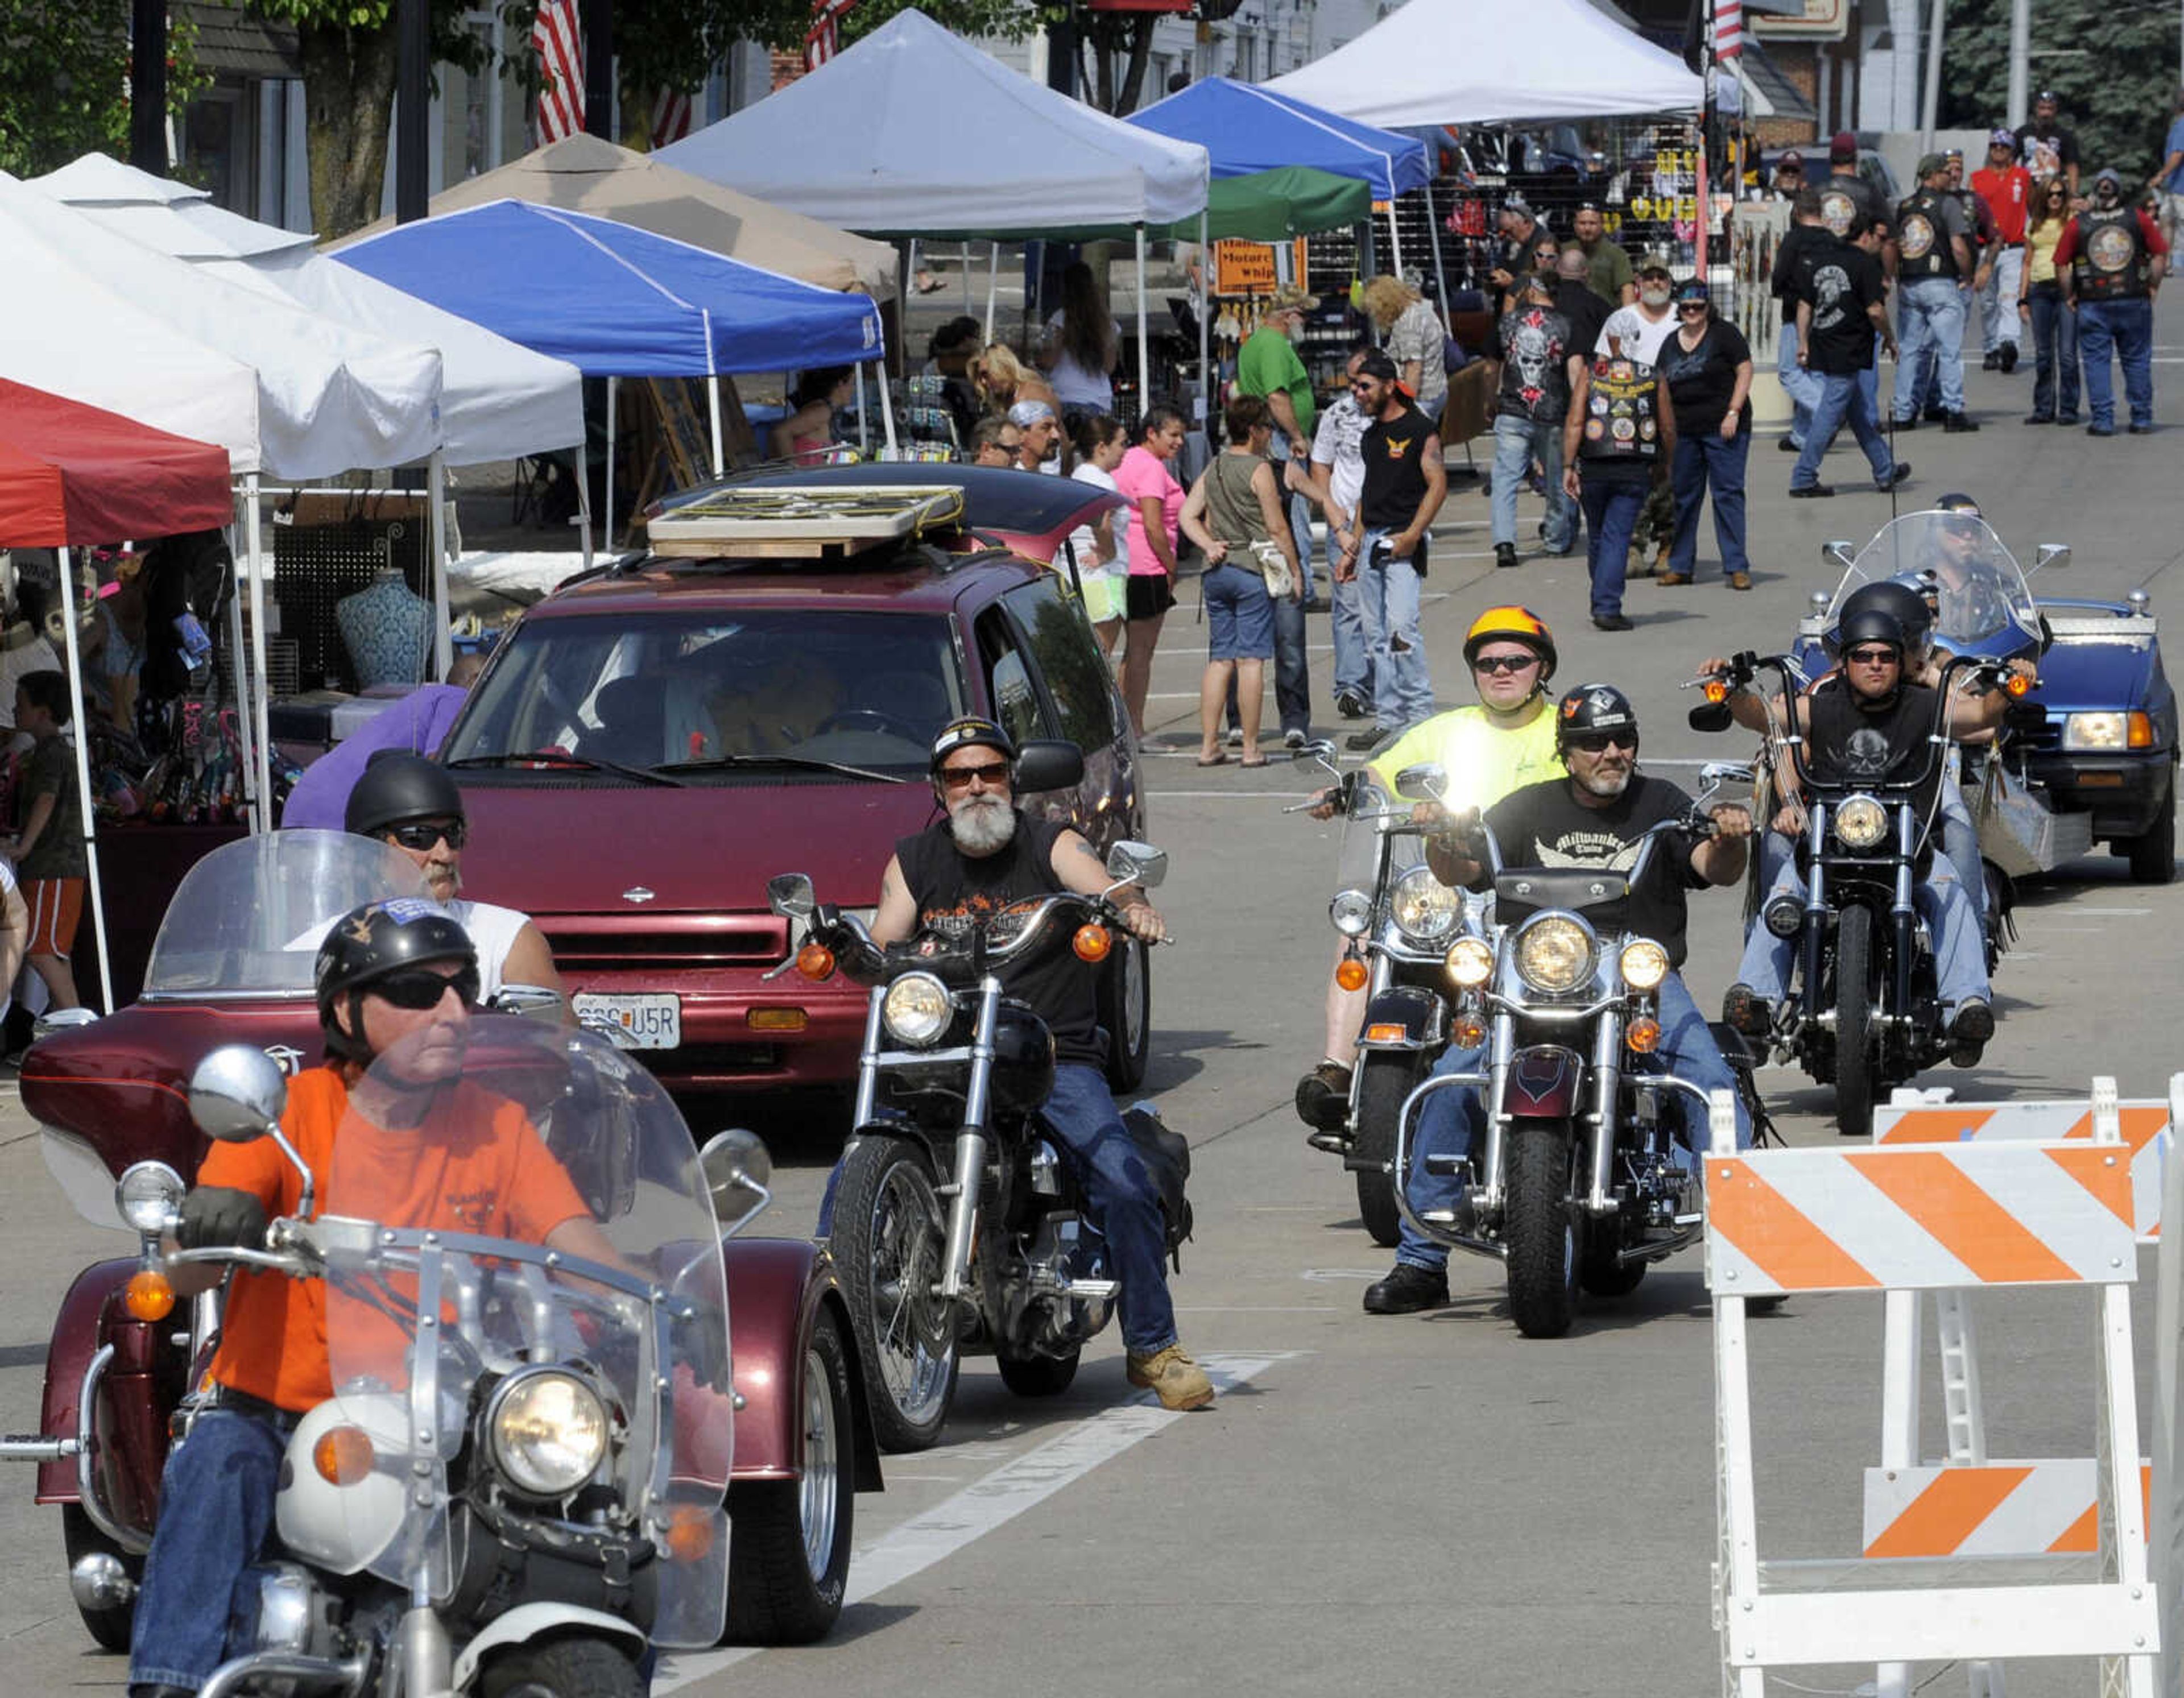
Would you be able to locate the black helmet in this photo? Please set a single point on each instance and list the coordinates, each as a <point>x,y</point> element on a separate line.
<point>369,943</point>
<point>1593,707</point>
<point>1914,618</point>
<point>397,788</point>
<point>1956,501</point>
<point>1873,623</point>
<point>970,733</point>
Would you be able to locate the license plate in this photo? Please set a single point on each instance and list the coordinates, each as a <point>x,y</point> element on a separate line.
<point>636,1020</point>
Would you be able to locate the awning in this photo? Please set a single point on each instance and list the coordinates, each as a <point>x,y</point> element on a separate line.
<point>1276,206</point>
<point>72,474</point>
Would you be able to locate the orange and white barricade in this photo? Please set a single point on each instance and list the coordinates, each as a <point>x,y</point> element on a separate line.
<point>1900,1220</point>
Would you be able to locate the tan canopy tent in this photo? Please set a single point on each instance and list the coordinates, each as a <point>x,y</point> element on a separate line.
<point>587,174</point>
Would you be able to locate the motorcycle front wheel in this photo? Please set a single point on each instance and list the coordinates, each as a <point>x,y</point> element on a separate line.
<point>1387,1080</point>
<point>110,1626</point>
<point>562,1668</point>
<point>1856,1066</point>
<point>889,1237</point>
<point>1541,1229</point>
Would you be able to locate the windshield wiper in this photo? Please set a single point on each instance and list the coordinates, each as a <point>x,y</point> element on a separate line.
<point>555,757</point>
<point>803,763</point>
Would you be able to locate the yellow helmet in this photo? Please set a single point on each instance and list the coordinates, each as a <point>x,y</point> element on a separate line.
<point>1512,624</point>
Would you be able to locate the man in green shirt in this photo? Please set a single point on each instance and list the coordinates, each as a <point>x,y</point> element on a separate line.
<point>1267,366</point>
<point>1611,277</point>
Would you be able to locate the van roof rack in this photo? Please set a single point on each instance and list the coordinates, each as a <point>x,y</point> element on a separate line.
<point>754,521</point>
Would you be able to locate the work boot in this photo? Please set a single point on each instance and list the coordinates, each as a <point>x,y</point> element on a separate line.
<point>1504,553</point>
<point>1407,1290</point>
<point>1172,1376</point>
<point>1745,1010</point>
<point>1968,1030</point>
<point>1323,1096</point>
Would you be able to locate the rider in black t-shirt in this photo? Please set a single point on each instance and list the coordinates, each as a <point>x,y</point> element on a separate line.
<point>984,857</point>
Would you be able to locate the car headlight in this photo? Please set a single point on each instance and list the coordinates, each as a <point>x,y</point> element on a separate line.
<point>2095,732</point>
<point>1861,822</point>
<point>917,1010</point>
<point>1470,963</point>
<point>1351,911</point>
<point>147,1195</point>
<point>1644,964</point>
<point>548,1431</point>
<point>1554,953</point>
<point>1423,906</point>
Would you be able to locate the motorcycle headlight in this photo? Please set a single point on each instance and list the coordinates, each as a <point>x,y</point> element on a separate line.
<point>547,1431</point>
<point>1644,964</point>
<point>1554,953</point>
<point>1861,822</point>
<point>1351,911</point>
<point>147,1195</point>
<point>1423,906</point>
<point>1470,963</point>
<point>917,1010</point>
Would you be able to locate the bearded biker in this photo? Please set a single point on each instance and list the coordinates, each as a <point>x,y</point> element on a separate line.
<point>987,855</point>
<point>1597,815</point>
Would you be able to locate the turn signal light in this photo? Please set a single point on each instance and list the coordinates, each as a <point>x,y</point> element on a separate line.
<point>148,1296</point>
<point>1351,974</point>
<point>775,1020</point>
<point>1468,1030</point>
<point>1717,690</point>
<point>689,1535</point>
<point>1387,1032</point>
<point>2140,732</point>
<point>342,1456</point>
<point>2018,684</point>
<point>1092,942</point>
<point>816,962</point>
<point>1643,1035</point>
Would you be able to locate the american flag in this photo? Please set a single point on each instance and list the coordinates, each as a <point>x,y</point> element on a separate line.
<point>670,118</point>
<point>555,38</point>
<point>822,41</point>
<point>1728,29</point>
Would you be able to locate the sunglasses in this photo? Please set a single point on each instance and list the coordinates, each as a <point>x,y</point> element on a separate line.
<point>1964,527</point>
<point>995,773</point>
<point>1690,306</point>
<point>420,990</point>
<point>1600,742</point>
<point>422,834</point>
<point>1505,663</point>
<point>1873,657</point>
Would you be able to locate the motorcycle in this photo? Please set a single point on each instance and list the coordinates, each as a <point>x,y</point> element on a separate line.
<point>1578,1185</point>
<point>950,1089</point>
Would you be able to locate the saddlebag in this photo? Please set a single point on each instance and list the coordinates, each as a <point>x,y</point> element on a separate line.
<point>1167,1157</point>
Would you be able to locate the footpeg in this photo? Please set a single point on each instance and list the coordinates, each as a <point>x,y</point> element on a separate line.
<point>1333,1142</point>
<point>1446,1167</point>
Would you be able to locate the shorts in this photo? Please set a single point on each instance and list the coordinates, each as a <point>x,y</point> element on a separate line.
<point>56,905</point>
<point>1104,595</point>
<point>1149,595</point>
<point>1239,614</point>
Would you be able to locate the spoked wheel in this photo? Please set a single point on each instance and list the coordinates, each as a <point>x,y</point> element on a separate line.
<point>1857,1067</point>
<point>788,1552</point>
<point>1126,1010</point>
<point>1542,1230</point>
<point>1387,1079</point>
<point>889,1238</point>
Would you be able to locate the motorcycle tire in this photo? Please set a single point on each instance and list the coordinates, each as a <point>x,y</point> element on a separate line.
<point>1039,1376</point>
<point>573,1667</point>
<point>789,1540</point>
<point>1858,1068</point>
<point>1126,1011</point>
<point>1597,1269</point>
<point>2154,855</point>
<point>889,1236</point>
<point>1387,1080</point>
<point>1541,1229</point>
<point>80,1538</point>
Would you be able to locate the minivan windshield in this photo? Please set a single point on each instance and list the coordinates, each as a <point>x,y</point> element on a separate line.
<point>712,688</point>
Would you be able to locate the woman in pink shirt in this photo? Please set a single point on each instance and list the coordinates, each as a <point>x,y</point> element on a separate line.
<point>1156,510</point>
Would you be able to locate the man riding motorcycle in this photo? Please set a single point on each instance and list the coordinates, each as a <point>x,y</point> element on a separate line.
<point>1597,815</point>
<point>1504,743</point>
<point>984,857</point>
<point>394,980</point>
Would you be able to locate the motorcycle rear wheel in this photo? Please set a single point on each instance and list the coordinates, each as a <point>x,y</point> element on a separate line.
<point>562,1668</point>
<point>1541,1231</point>
<point>1039,1376</point>
<point>889,1237</point>
<point>1856,1068</point>
<point>1388,1078</point>
<point>80,1538</point>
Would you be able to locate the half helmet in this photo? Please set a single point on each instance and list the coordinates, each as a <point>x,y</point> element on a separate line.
<point>970,733</point>
<point>398,788</point>
<point>1591,708</point>
<point>368,944</point>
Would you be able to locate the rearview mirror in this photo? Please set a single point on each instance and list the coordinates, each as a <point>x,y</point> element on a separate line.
<point>237,1092</point>
<point>738,1170</point>
<point>1319,749</point>
<point>1710,716</point>
<point>1426,782</point>
<point>1137,864</point>
<point>529,1001</point>
<point>1720,772</point>
<point>2051,555</point>
<point>791,895</point>
<point>1049,764</point>
<point>1838,554</point>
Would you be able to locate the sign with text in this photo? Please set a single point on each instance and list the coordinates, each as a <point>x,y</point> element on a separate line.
<point>1255,268</point>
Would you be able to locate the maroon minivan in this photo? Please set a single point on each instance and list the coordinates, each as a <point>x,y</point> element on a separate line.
<point>654,741</point>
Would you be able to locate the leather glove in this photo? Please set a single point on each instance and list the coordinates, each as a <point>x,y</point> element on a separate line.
<point>215,1217</point>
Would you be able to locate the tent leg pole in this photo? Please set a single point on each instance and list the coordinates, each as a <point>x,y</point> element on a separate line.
<point>606,519</point>
<point>1432,235</point>
<point>993,290</point>
<point>262,721</point>
<point>1395,241</point>
<point>82,741</point>
<point>1205,328</point>
<point>886,412</point>
<point>713,407</point>
<point>239,665</point>
<point>1144,343</point>
<point>864,419</point>
<point>584,497</point>
<point>444,648</point>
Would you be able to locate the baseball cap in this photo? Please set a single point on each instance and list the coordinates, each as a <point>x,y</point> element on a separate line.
<point>1841,145</point>
<point>1377,364</point>
<point>1791,161</point>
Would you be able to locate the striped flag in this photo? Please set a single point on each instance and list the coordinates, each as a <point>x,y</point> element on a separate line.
<point>822,41</point>
<point>1728,29</point>
<point>670,118</point>
<point>555,39</point>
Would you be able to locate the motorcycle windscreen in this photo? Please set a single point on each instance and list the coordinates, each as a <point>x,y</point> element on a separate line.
<point>1982,602</point>
<point>544,1295</point>
<point>1358,859</point>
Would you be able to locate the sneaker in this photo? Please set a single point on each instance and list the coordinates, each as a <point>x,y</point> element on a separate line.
<point>1969,1031</point>
<point>1407,1290</point>
<point>1504,553</point>
<point>1811,492</point>
<point>1956,424</point>
<point>1172,1376</point>
<point>1323,1096</point>
<point>1745,1010</point>
<point>1349,705</point>
<point>1611,621</point>
<point>2008,357</point>
<point>1896,473</point>
<point>1235,738</point>
<point>1360,741</point>
<point>1293,739</point>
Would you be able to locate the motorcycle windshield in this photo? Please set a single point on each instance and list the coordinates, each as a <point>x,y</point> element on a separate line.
<point>1358,859</point>
<point>1981,604</point>
<point>246,920</point>
<point>525,1296</point>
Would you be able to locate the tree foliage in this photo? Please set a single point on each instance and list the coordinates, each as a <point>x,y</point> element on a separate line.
<point>2113,66</point>
<point>64,81</point>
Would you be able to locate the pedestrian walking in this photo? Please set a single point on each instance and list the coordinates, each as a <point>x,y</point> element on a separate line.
<point>1530,408</point>
<point>2054,325</point>
<point>1155,508</point>
<point>1338,480</point>
<point>1412,333</point>
<point>2167,182</point>
<point>1637,333</point>
<point>2006,187</point>
<point>1807,232</point>
<point>1618,441</point>
<point>1934,238</point>
<point>1406,482</point>
<point>1708,367</point>
<point>2044,148</point>
<point>2111,259</point>
<point>1608,271</point>
<point>1842,311</point>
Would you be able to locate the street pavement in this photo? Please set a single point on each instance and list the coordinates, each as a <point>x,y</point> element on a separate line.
<point>1427,1502</point>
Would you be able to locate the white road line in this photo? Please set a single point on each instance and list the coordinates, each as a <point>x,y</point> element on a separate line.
<point>970,1514</point>
<point>2110,913</point>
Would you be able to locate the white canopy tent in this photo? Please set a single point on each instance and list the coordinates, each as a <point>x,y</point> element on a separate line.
<point>1556,59</point>
<point>948,143</point>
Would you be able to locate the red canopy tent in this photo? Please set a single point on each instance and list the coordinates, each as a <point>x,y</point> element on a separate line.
<point>71,475</point>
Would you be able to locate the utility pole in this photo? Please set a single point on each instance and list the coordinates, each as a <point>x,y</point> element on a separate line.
<point>147,86</point>
<point>2021,55</point>
<point>1933,100</point>
<point>413,111</point>
<point>598,67</point>
<point>1062,52</point>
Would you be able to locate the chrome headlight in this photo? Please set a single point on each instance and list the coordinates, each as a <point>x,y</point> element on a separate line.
<point>1861,822</point>
<point>1470,963</point>
<point>147,1195</point>
<point>1351,911</point>
<point>2093,733</point>
<point>1644,964</point>
<point>547,1431</point>
<point>1423,906</point>
<point>917,1010</point>
<point>1555,953</point>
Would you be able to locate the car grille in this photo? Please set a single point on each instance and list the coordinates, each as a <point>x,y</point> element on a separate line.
<point>591,944</point>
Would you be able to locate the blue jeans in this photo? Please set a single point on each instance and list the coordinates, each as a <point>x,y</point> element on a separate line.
<point>1932,332</point>
<point>1517,443</point>
<point>1450,1122</point>
<point>1801,386</point>
<point>2127,328</point>
<point>216,1511</point>
<point>1959,952</point>
<point>1388,597</point>
<point>2055,352</point>
<point>1081,1114</point>
<point>1843,398</point>
<point>1353,649</point>
<point>1705,462</point>
<point>1239,614</point>
<point>1612,505</point>
<point>1292,669</point>
<point>1298,508</point>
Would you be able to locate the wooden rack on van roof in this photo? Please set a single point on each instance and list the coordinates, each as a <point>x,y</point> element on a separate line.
<point>758,522</point>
